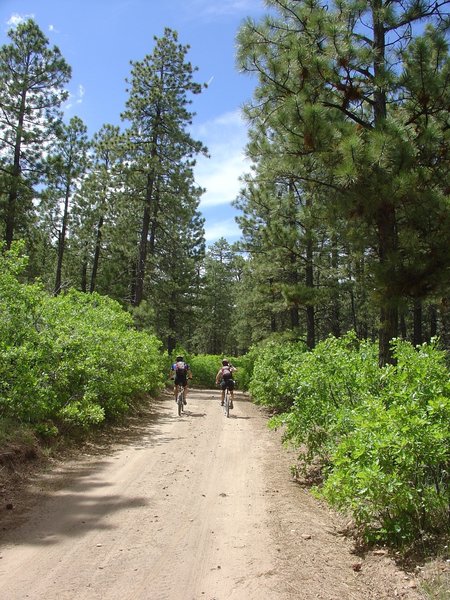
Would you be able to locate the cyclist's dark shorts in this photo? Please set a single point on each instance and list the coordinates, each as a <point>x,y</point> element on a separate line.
<point>181,380</point>
<point>227,383</point>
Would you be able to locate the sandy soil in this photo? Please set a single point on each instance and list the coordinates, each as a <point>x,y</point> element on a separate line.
<point>190,508</point>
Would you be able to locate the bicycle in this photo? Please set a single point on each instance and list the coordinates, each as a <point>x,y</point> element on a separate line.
<point>180,400</point>
<point>227,402</point>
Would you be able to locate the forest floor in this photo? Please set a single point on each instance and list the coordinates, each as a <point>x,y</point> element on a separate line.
<point>187,508</point>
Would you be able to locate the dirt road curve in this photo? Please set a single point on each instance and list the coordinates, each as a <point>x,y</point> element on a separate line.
<point>190,508</point>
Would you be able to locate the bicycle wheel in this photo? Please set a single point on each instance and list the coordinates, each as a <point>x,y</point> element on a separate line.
<point>227,402</point>
<point>180,402</point>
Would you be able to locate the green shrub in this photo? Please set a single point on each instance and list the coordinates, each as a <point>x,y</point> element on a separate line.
<point>72,359</point>
<point>393,469</point>
<point>271,382</point>
<point>326,385</point>
<point>382,435</point>
<point>204,368</point>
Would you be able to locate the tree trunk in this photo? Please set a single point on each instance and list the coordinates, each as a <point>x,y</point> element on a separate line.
<point>432,311</point>
<point>353,311</point>
<point>84,276</point>
<point>143,245</point>
<point>62,242</point>
<point>403,330</point>
<point>386,225</point>
<point>15,179</point>
<point>417,335</point>
<point>309,281</point>
<point>95,262</point>
<point>172,337</point>
<point>335,305</point>
<point>294,315</point>
<point>387,244</point>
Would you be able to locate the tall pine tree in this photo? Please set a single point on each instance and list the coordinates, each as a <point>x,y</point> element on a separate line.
<point>32,79</point>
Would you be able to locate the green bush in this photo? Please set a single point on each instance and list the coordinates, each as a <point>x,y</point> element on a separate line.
<point>271,382</point>
<point>382,435</point>
<point>393,468</point>
<point>324,388</point>
<point>204,368</point>
<point>75,359</point>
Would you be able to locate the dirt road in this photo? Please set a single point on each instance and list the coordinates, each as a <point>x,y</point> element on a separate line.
<point>190,508</point>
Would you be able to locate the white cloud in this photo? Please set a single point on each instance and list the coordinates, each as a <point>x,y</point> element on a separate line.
<point>227,229</point>
<point>225,137</point>
<point>75,98</point>
<point>15,19</point>
<point>80,94</point>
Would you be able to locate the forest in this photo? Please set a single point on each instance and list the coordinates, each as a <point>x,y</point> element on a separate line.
<point>335,303</point>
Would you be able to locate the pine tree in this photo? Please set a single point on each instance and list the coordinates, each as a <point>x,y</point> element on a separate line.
<point>32,76</point>
<point>67,166</point>
<point>159,143</point>
<point>214,332</point>
<point>329,85</point>
<point>95,207</point>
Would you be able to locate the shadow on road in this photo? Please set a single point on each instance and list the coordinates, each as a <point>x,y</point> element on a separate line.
<point>73,491</point>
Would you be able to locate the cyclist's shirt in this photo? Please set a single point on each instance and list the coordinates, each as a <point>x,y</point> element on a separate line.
<point>181,370</point>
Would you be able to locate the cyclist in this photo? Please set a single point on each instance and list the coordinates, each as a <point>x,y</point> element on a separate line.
<point>224,376</point>
<point>180,372</point>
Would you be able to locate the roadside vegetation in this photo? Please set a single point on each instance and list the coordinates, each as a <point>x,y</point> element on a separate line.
<point>380,436</point>
<point>68,361</point>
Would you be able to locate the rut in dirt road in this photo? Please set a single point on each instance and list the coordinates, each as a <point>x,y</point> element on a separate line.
<point>197,506</point>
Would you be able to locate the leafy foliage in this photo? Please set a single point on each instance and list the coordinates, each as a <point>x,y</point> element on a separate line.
<point>74,359</point>
<point>381,434</point>
<point>393,467</point>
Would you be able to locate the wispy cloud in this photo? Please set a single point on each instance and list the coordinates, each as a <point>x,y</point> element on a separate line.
<point>75,98</point>
<point>225,138</point>
<point>220,8</point>
<point>227,229</point>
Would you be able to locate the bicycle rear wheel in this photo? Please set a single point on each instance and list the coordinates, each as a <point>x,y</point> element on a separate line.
<point>227,403</point>
<point>180,399</point>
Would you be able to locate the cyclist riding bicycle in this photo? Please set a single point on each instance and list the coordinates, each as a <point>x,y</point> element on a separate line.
<point>224,376</point>
<point>180,372</point>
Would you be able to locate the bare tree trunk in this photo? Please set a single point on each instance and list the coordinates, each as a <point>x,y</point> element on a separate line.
<point>172,324</point>
<point>386,225</point>
<point>143,245</point>
<point>84,277</point>
<point>309,281</point>
<point>293,311</point>
<point>403,330</point>
<point>417,335</point>
<point>335,305</point>
<point>432,311</point>
<point>15,178</point>
<point>62,242</point>
<point>95,262</point>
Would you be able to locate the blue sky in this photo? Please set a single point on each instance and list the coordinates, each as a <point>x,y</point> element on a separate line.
<point>98,38</point>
